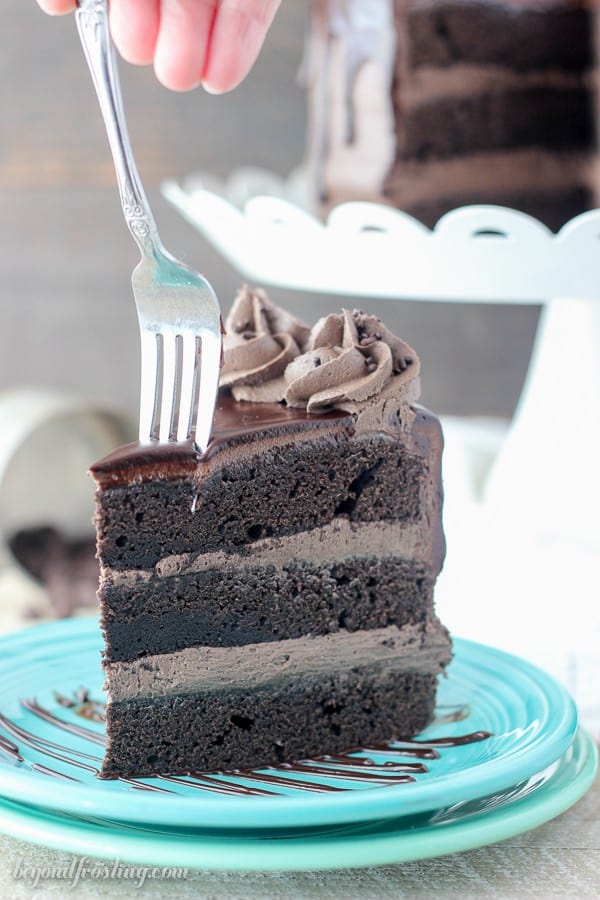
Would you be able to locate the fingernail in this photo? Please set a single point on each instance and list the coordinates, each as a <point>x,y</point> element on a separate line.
<point>210,89</point>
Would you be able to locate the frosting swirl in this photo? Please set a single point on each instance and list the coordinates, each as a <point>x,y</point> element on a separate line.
<point>349,361</point>
<point>260,340</point>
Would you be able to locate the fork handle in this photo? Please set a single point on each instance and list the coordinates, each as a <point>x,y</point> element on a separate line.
<point>94,32</point>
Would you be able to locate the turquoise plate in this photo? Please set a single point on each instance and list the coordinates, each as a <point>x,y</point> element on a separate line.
<point>446,830</point>
<point>532,720</point>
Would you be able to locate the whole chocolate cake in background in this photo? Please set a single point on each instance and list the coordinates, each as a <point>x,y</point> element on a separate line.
<point>433,104</point>
<point>273,599</point>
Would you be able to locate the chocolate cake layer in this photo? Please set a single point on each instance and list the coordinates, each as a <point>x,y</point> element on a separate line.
<point>540,117</point>
<point>268,702</point>
<point>242,499</point>
<point>253,604</point>
<point>518,34</point>
<point>250,728</point>
<point>552,187</point>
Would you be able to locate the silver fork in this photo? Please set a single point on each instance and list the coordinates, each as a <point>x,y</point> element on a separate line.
<point>178,311</point>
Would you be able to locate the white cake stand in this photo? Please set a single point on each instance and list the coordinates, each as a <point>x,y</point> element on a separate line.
<point>525,538</point>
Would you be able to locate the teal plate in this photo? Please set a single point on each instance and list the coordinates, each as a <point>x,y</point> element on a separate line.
<point>532,720</point>
<point>447,830</point>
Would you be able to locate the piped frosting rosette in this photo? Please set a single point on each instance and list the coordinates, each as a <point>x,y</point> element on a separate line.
<point>348,361</point>
<point>260,341</point>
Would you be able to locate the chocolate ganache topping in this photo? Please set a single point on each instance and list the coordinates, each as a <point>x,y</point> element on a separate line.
<point>349,361</point>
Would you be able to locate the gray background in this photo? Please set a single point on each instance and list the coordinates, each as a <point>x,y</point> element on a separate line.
<point>67,316</point>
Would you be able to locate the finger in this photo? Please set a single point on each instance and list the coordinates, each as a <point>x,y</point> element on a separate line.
<point>134,27</point>
<point>57,7</point>
<point>237,37</point>
<point>183,38</point>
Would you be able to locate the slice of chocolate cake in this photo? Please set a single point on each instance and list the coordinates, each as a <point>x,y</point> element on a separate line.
<point>273,599</point>
<point>434,104</point>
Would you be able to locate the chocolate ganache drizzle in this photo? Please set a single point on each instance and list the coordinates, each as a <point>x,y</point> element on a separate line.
<point>379,765</point>
<point>349,361</point>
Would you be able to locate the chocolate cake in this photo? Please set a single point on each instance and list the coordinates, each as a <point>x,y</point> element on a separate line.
<point>434,104</point>
<point>273,599</point>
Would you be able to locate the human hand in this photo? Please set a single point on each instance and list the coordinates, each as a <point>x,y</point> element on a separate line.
<point>190,42</point>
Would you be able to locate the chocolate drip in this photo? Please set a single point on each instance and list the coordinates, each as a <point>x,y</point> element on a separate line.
<point>83,705</point>
<point>364,29</point>
<point>208,783</point>
<point>49,748</point>
<point>141,786</point>
<point>285,782</point>
<point>343,766</point>
<point>32,706</point>
<point>10,749</point>
<point>350,773</point>
<point>46,747</point>
<point>458,740</point>
<point>392,750</point>
<point>38,767</point>
<point>367,762</point>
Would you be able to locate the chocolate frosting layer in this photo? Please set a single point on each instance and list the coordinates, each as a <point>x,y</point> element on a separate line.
<point>337,540</point>
<point>412,648</point>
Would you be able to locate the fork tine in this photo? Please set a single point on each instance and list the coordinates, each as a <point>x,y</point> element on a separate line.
<point>149,385</point>
<point>189,364</point>
<point>169,373</point>
<point>210,357</point>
